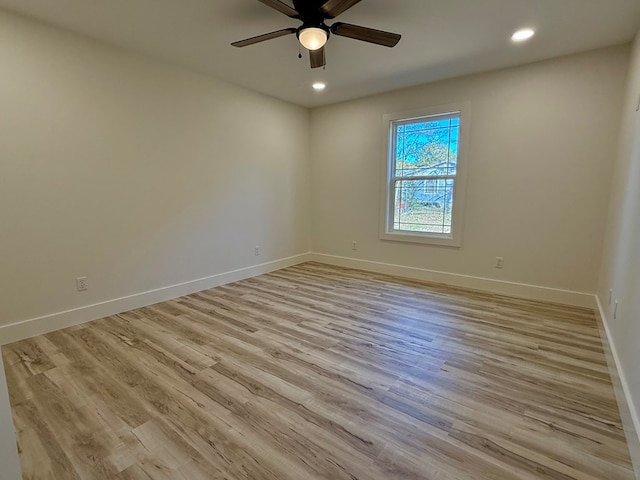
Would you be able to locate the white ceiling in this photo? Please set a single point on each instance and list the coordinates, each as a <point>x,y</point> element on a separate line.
<point>440,38</point>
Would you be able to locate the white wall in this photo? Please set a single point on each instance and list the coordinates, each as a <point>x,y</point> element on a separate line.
<point>9,463</point>
<point>135,173</point>
<point>621,261</point>
<point>540,161</point>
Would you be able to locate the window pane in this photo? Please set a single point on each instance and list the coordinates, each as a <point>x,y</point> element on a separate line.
<point>423,205</point>
<point>426,147</point>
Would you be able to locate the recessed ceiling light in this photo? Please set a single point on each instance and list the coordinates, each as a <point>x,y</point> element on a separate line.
<point>319,86</point>
<point>523,34</point>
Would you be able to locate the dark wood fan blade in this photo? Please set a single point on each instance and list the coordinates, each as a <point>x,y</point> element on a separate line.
<point>281,7</point>
<point>365,34</point>
<point>317,58</point>
<point>266,36</point>
<point>333,8</point>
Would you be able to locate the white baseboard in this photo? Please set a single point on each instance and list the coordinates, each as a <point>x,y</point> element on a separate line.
<point>521,290</point>
<point>628,412</point>
<point>49,323</point>
<point>8,452</point>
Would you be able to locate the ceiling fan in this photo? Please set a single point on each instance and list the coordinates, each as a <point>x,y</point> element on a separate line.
<point>314,33</point>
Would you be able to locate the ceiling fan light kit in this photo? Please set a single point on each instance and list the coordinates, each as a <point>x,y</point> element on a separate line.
<point>313,38</point>
<point>314,33</point>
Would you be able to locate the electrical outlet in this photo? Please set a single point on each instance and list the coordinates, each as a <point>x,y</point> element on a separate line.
<point>615,310</point>
<point>81,284</point>
<point>610,295</point>
<point>499,262</point>
<point>256,251</point>
<point>354,245</point>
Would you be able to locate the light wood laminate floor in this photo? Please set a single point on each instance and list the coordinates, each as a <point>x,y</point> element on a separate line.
<point>319,372</point>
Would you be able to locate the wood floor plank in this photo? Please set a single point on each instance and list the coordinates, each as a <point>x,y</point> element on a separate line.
<point>320,372</point>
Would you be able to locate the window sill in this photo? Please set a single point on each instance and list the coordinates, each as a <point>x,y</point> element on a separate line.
<point>422,238</point>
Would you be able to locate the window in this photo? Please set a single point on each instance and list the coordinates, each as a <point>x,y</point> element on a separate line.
<point>424,181</point>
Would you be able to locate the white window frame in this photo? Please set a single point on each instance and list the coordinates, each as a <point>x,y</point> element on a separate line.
<point>387,197</point>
